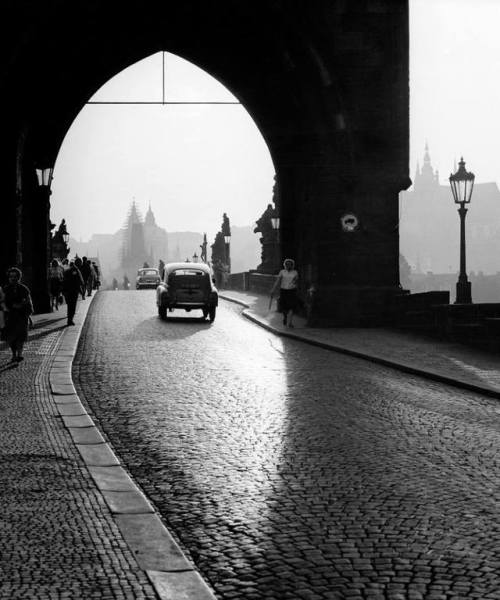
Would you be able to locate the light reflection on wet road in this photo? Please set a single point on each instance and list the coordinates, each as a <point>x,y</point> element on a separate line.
<point>288,471</point>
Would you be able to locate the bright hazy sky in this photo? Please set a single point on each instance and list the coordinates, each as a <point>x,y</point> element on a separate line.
<point>192,163</point>
<point>454,85</point>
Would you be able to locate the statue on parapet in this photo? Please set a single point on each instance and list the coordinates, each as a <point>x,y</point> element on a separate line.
<point>267,240</point>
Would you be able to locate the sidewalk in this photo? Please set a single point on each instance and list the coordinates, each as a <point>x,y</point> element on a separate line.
<point>446,362</point>
<point>73,524</point>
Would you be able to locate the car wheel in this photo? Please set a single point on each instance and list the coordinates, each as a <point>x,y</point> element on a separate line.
<point>162,311</point>
<point>211,314</point>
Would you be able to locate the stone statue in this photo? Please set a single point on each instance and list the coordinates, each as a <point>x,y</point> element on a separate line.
<point>203,247</point>
<point>268,241</point>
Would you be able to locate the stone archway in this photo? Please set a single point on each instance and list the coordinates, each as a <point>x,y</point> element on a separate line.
<point>325,82</point>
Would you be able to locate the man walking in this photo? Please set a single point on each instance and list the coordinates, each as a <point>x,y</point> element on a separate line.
<point>86,270</point>
<point>72,287</point>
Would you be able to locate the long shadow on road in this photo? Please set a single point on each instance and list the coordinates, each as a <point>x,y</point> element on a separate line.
<point>174,328</point>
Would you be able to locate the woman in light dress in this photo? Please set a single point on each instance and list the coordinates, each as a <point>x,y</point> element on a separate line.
<point>287,283</point>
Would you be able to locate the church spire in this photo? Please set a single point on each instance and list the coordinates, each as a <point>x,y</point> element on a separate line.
<point>426,178</point>
<point>150,218</point>
<point>427,158</point>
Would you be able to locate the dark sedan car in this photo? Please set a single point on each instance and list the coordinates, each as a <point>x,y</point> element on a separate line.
<point>188,286</point>
<point>147,278</point>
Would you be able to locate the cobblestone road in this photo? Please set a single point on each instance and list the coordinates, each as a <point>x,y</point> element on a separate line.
<point>288,471</point>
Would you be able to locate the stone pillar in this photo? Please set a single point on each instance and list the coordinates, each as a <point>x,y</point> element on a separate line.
<point>40,210</point>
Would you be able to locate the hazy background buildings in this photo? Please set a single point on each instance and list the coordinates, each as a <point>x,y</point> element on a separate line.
<point>142,239</point>
<point>429,234</point>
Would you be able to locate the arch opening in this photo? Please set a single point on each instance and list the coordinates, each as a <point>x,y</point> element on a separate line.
<point>167,136</point>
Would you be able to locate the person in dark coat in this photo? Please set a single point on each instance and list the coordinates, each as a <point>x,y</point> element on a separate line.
<point>72,288</point>
<point>86,271</point>
<point>18,307</point>
<point>79,266</point>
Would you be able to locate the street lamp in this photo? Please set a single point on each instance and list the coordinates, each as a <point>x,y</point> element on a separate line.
<point>44,176</point>
<point>43,244</point>
<point>275,223</point>
<point>462,184</point>
<point>226,232</point>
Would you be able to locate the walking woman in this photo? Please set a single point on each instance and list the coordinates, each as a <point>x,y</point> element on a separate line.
<point>19,307</point>
<point>55,284</point>
<point>286,283</point>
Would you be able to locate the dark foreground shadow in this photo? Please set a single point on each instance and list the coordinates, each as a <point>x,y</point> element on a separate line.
<point>7,365</point>
<point>156,329</point>
<point>45,322</point>
<point>34,335</point>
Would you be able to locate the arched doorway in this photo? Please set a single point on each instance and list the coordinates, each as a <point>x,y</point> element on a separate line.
<point>168,138</point>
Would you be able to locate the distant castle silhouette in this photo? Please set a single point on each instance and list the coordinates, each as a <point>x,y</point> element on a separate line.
<point>429,224</point>
<point>142,240</point>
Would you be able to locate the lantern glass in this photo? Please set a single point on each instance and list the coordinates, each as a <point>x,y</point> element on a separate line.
<point>462,184</point>
<point>44,176</point>
<point>227,239</point>
<point>275,222</point>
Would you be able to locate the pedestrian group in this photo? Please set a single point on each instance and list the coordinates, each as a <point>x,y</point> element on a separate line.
<point>67,281</point>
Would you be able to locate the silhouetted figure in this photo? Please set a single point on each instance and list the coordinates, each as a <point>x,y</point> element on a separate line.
<point>19,307</point>
<point>97,276</point>
<point>55,283</point>
<point>161,267</point>
<point>88,276</point>
<point>78,265</point>
<point>72,288</point>
<point>126,282</point>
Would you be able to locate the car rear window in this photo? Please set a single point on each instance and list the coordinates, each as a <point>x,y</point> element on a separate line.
<point>186,272</point>
<point>149,272</point>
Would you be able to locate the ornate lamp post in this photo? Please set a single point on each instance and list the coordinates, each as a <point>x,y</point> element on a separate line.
<point>43,239</point>
<point>462,184</point>
<point>275,223</point>
<point>226,232</point>
<point>44,176</point>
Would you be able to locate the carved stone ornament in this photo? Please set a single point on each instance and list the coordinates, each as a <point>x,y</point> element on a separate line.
<point>349,222</point>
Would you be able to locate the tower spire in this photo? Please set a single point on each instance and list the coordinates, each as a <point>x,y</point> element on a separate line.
<point>425,177</point>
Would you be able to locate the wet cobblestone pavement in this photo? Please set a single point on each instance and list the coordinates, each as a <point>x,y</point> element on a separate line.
<point>287,471</point>
<point>57,537</point>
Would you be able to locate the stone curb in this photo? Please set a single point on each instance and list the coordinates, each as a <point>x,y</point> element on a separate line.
<point>400,366</point>
<point>157,553</point>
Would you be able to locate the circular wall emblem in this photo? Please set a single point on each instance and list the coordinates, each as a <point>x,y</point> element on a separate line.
<point>349,222</point>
